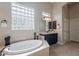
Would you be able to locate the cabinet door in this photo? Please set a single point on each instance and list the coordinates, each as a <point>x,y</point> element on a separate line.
<point>51,38</point>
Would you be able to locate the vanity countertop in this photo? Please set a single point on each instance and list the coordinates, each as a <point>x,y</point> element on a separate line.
<point>45,33</point>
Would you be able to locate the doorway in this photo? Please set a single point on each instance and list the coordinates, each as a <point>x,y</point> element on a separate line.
<point>70,22</point>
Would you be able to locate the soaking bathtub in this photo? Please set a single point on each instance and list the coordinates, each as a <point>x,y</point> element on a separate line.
<point>26,48</point>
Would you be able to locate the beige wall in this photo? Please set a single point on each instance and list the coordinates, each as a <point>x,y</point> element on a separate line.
<point>74,22</point>
<point>20,35</point>
<point>68,18</point>
<point>57,15</point>
<point>4,14</point>
<point>55,9</point>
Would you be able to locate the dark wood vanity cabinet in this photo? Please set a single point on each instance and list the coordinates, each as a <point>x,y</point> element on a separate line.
<point>51,38</point>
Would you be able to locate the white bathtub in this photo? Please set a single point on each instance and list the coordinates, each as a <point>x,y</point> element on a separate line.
<point>22,47</point>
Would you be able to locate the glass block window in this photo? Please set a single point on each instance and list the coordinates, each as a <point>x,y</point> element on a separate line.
<point>22,17</point>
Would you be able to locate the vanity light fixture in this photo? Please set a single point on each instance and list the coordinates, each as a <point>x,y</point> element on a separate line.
<point>47,18</point>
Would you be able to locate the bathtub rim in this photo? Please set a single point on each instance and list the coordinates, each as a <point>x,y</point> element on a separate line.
<point>44,46</point>
<point>8,52</point>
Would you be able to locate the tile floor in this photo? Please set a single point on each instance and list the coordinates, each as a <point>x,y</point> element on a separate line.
<point>68,49</point>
